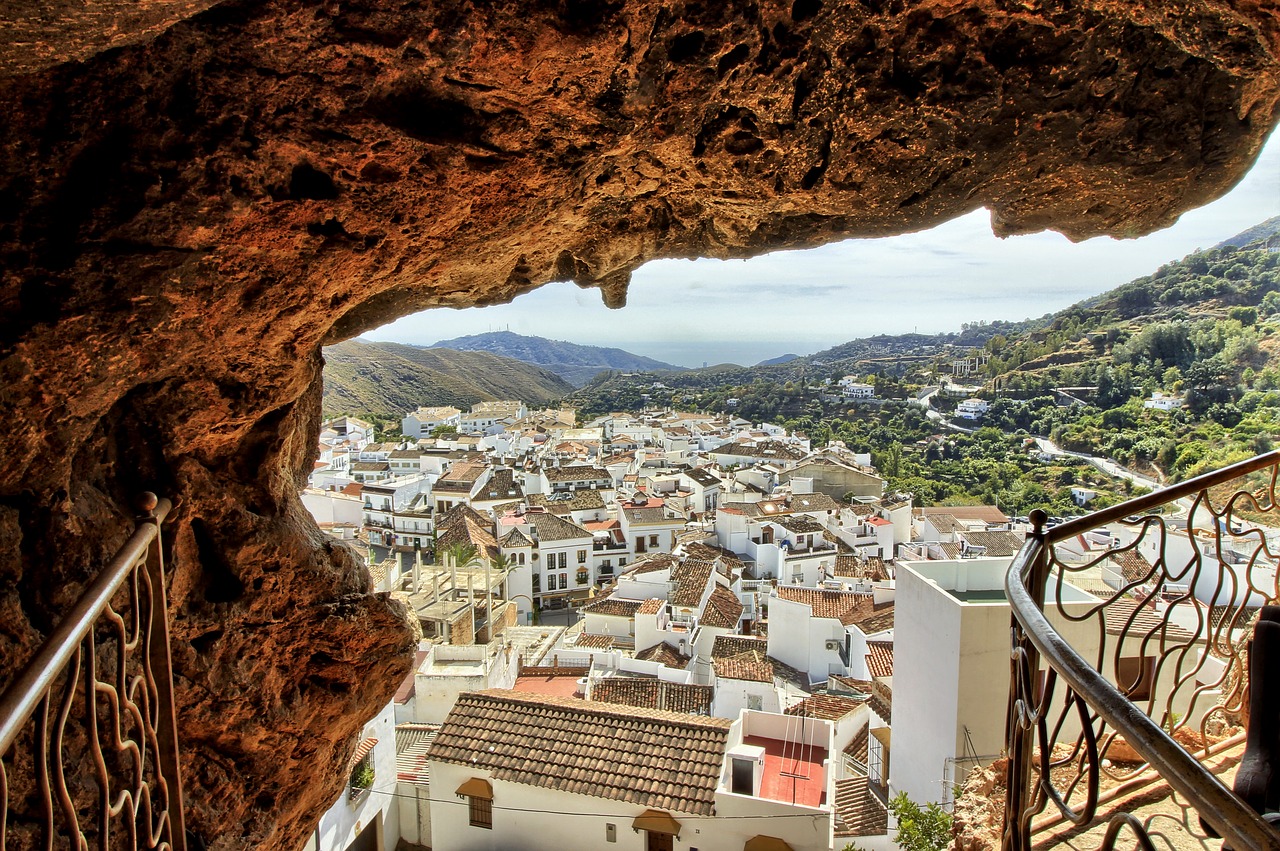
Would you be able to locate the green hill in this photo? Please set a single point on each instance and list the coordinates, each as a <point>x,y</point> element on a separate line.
<point>388,379</point>
<point>575,363</point>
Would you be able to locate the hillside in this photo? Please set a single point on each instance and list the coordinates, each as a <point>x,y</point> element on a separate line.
<point>574,363</point>
<point>388,379</point>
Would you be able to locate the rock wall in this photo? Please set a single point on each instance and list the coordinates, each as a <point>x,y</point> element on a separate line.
<point>195,196</point>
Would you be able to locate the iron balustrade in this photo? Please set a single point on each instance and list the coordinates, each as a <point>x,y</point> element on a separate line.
<point>88,730</point>
<point>1154,654</point>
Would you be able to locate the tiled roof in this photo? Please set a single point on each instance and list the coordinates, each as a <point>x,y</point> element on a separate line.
<point>798,523</point>
<point>591,641</point>
<point>981,513</point>
<point>1147,622</point>
<point>655,514</point>
<point>654,693</point>
<point>651,606</point>
<point>857,748</point>
<point>642,756</point>
<point>848,608</point>
<point>652,562</point>
<point>881,702</point>
<point>579,500</point>
<point>1134,567</point>
<point>813,502</point>
<point>615,606</point>
<point>855,567</point>
<point>726,646</point>
<point>553,528</point>
<point>501,485</point>
<point>737,657</point>
<point>723,609</point>
<point>466,528</point>
<point>828,706</point>
<point>370,467</point>
<point>664,654</point>
<point>515,538</point>
<point>880,658</point>
<point>710,552</point>
<point>945,523</point>
<point>996,543</point>
<point>766,450</point>
<point>691,579</point>
<point>703,477</point>
<point>745,667</point>
<point>579,473</point>
<point>412,743</point>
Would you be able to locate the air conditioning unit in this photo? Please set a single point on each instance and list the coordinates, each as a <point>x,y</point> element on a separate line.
<point>834,645</point>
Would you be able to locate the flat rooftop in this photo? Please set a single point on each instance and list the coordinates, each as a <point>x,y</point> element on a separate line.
<point>981,595</point>
<point>564,686</point>
<point>792,772</point>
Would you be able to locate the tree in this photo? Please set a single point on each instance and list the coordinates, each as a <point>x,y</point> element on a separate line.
<point>926,828</point>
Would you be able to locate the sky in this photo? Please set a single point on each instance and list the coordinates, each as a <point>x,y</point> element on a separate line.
<point>691,312</point>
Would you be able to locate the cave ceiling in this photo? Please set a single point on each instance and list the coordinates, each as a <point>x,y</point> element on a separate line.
<point>195,196</point>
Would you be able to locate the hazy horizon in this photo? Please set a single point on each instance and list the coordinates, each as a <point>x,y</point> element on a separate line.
<point>687,312</point>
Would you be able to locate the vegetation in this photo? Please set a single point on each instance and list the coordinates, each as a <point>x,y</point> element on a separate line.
<point>926,828</point>
<point>384,380</point>
<point>1206,327</point>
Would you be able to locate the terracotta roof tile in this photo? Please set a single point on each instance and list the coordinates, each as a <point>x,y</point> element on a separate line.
<point>651,606</point>
<point>1134,567</point>
<point>591,641</point>
<point>736,657</point>
<point>643,756</point>
<point>664,654</point>
<point>844,606</point>
<point>616,606</point>
<point>880,658</point>
<point>723,609</point>
<point>654,693</point>
<point>828,706</point>
<point>691,578</point>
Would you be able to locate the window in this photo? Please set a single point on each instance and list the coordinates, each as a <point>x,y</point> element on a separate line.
<point>640,544</point>
<point>537,583</point>
<point>481,811</point>
<point>564,560</point>
<point>361,779</point>
<point>1134,676</point>
<point>582,576</point>
<point>755,701</point>
<point>520,558</point>
<point>653,540</point>
<point>582,556</point>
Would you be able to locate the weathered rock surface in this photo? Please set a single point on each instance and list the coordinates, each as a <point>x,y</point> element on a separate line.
<point>193,200</point>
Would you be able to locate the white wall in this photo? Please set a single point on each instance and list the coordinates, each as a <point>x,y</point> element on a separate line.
<point>348,816</point>
<point>333,507</point>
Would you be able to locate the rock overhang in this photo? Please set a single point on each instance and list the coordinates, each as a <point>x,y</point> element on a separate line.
<point>194,200</point>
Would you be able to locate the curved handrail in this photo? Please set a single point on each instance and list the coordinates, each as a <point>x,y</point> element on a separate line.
<point>24,694</point>
<point>1235,821</point>
<point>109,659</point>
<point>1039,649</point>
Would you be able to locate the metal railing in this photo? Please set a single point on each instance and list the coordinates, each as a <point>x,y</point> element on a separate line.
<point>88,731</point>
<point>1150,658</point>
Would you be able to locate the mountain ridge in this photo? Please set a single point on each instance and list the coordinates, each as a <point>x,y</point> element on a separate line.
<point>388,379</point>
<point>574,362</point>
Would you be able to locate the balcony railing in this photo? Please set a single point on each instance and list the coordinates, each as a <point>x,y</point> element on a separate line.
<point>1153,653</point>
<point>88,732</point>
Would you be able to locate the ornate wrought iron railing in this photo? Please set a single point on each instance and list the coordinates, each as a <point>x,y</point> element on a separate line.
<point>1129,629</point>
<point>88,732</point>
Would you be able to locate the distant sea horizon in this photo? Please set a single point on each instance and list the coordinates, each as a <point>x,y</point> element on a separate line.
<point>697,353</point>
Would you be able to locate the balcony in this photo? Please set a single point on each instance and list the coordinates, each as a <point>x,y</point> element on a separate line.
<point>1138,688</point>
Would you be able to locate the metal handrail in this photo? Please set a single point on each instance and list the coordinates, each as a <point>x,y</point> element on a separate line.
<point>1090,696</point>
<point>65,672</point>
